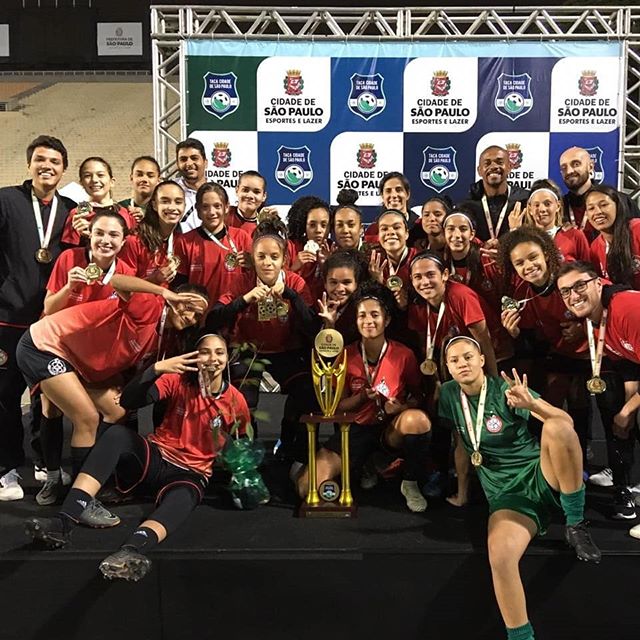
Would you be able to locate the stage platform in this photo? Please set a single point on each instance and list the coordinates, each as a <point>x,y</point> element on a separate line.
<point>266,574</point>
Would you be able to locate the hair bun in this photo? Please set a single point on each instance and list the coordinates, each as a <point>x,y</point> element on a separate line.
<point>347,197</point>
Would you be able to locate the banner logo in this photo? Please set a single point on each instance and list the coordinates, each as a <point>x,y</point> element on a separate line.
<point>366,98</point>
<point>293,82</point>
<point>294,169</point>
<point>515,155</point>
<point>513,98</point>
<point>440,83</point>
<point>588,83</point>
<point>220,96</point>
<point>439,170</point>
<point>221,155</point>
<point>366,156</point>
<point>596,153</point>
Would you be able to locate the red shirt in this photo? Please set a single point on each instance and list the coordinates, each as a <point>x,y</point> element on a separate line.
<point>572,244</point>
<point>544,313</point>
<point>489,289</point>
<point>462,309</point>
<point>72,237</point>
<point>396,375</point>
<point>622,333</point>
<point>87,293</point>
<point>141,260</point>
<point>203,261</point>
<point>270,336</point>
<point>234,220</point>
<point>102,338</point>
<point>185,435</point>
<point>600,248</point>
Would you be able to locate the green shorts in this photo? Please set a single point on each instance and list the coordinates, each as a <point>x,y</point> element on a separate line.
<point>529,494</point>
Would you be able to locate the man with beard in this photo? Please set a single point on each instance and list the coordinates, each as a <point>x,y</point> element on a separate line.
<point>32,217</point>
<point>492,198</point>
<point>576,167</point>
<point>191,161</point>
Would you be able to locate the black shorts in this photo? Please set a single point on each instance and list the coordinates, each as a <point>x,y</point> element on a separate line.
<point>157,475</point>
<point>627,370</point>
<point>37,365</point>
<point>364,439</point>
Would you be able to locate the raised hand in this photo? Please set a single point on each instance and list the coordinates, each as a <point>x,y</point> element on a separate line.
<point>178,364</point>
<point>518,395</point>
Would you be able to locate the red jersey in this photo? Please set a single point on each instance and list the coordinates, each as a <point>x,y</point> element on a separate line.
<point>462,309</point>
<point>141,260</point>
<point>544,313</point>
<point>600,249</point>
<point>202,260</point>
<point>185,436</point>
<point>270,336</point>
<point>72,237</point>
<point>622,333</point>
<point>87,293</point>
<point>311,272</point>
<point>237,221</point>
<point>572,244</point>
<point>102,338</point>
<point>490,286</point>
<point>395,376</point>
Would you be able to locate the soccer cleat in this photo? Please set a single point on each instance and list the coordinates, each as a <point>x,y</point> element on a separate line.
<point>40,475</point>
<point>125,564</point>
<point>602,479</point>
<point>10,488</point>
<point>416,502</point>
<point>624,506</point>
<point>50,493</point>
<point>47,533</point>
<point>97,516</point>
<point>578,537</point>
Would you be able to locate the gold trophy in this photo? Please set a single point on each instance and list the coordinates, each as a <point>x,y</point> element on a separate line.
<point>329,369</point>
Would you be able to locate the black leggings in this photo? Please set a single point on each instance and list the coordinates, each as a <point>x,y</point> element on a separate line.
<point>138,465</point>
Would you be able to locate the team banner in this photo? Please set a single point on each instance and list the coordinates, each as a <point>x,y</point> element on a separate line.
<point>315,117</point>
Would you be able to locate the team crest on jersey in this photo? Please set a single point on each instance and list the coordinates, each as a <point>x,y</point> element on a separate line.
<point>367,156</point>
<point>515,155</point>
<point>439,170</point>
<point>220,96</point>
<point>487,285</point>
<point>494,424</point>
<point>294,169</point>
<point>440,83</point>
<point>513,98</point>
<point>366,97</point>
<point>293,82</point>
<point>627,345</point>
<point>221,155</point>
<point>588,83</point>
<point>56,367</point>
<point>597,175</point>
<point>4,357</point>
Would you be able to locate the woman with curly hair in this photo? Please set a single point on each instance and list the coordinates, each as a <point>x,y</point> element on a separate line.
<point>616,251</point>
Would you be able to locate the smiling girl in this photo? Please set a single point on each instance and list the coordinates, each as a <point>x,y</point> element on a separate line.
<point>145,175</point>
<point>347,221</point>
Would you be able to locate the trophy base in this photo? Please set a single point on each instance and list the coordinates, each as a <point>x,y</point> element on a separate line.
<point>326,510</point>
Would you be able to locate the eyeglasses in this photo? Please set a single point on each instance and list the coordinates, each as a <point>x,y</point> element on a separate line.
<point>578,287</point>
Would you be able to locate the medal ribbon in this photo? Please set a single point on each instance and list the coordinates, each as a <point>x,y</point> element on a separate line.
<point>45,237</point>
<point>474,435</point>
<point>393,270</point>
<point>232,245</point>
<point>572,217</point>
<point>109,274</point>
<point>170,245</point>
<point>595,352</point>
<point>487,215</point>
<point>372,376</point>
<point>163,322</point>
<point>430,343</point>
<point>452,270</point>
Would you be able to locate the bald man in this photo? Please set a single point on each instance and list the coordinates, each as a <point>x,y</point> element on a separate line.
<point>576,167</point>
<point>492,198</point>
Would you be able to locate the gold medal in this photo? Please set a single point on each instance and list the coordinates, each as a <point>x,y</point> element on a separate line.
<point>509,304</point>
<point>476,459</point>
<point>282,309</point>
<point>83,208</point>
<point>267,310</point>
<point>428,367</point>
<point>231,261</point>
<point>596,385</point>
<point>394,283</point>
<point>43,255</point>
<point>92,273</point>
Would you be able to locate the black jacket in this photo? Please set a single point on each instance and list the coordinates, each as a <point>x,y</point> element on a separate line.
<point>23,280</point>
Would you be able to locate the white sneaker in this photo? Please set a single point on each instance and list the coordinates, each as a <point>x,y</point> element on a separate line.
<point>40,475</point>
<point>416,502</point>
<point>602,479</point>
<point>10,488</point>
<point>635,532</point>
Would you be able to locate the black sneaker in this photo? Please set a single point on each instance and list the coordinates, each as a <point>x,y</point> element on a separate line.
<point>97,516</point>
<point>47,533</point>
<point>125,564</point>
<point>624,506</point>
<point>51,492</point>
<point>578,537</point>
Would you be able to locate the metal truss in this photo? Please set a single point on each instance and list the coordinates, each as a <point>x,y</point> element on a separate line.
<point>172,25</point>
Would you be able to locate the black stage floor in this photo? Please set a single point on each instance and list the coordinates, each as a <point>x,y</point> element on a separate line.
<point>266,574</point>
